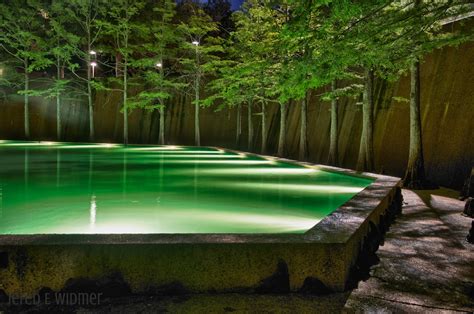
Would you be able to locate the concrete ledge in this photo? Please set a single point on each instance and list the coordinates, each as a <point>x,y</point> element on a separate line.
<point>318,261</point>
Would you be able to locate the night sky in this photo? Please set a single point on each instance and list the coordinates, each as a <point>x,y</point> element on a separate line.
<point>236,4</point>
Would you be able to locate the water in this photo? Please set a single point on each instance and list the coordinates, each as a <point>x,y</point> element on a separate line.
<point>61,188</point>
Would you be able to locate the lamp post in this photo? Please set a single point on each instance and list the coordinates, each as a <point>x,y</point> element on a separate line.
<point>93,65</point>
<point>197,136</point>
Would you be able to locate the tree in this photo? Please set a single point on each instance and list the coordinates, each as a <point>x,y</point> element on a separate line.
<point>257,31</point>
<point>429,17</point>
<point>157,62</point>
<point>123,25</point>
<point>22,27</point>
<point>62,47</point>
<point>86,16</point>
<point>200,59</point>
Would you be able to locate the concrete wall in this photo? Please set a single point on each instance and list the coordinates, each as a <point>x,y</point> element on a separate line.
<point>447,111</point>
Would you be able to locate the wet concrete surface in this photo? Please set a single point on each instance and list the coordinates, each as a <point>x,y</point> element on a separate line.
<point>426,266</point>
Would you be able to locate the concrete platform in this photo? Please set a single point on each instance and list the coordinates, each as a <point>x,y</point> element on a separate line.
<point>425,266</point>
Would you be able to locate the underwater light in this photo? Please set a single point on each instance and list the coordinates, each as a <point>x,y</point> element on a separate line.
<point>259,171</point>
<point>233,162</point>
<point>295,187</point>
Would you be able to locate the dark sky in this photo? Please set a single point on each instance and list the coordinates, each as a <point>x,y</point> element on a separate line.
<point>236,4</point>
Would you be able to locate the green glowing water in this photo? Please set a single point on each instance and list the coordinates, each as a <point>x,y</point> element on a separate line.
<point>70,188</point>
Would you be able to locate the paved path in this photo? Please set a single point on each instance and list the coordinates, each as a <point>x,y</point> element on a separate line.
<point>425,264</point>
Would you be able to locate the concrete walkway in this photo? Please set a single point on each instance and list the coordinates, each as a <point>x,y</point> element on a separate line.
<point>425,266</point>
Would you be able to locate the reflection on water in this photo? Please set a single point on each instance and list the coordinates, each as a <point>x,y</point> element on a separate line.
<point>92,212</point>
<point>57,188</point>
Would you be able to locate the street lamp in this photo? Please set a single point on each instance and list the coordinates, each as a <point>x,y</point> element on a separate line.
<point>93,65</point>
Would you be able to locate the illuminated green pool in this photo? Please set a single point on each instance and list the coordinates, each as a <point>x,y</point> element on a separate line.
<point>62,188</point>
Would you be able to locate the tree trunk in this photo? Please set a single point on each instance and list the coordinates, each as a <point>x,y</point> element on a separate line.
<point>366,151</point>
<point>333,149</point>
<point>197,134</point>
<point>415,172</point>
<point>58,104</point>
<point>281,138</point>
<point>89,98</point>
<point>125,109</point>
<point>303,153</point>
<point>26,99</point>
<point>250,127</point>
<point>264,130</point>
<point>162,125</point>
<point>238,126</point>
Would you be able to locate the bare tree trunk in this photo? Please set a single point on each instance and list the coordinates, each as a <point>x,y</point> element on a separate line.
<point>250,127</point>
<point>366,150</point>
<point>415,172</point>
<point>197,134</point>
<point>58,103</point>
<point>239,125</point>
<point>125,109</point>
<point>264,130</point>
<point>303,153</point>
<point>281,138</point>
<point>26,99</point>
<point>162,126</point>
<point>333,145</point>
<point>89,97</point>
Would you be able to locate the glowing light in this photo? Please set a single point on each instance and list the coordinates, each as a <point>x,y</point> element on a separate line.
<point>159,65</point>
<point>296,187</point>
<point>230,162</point>
<point>156,148</point>
<point>92,52</point>
<point>108,145</point>
<point>93,64</point>
<point>179,155</point>
<point>195,43</point>
<point>6,143</point>
<point>260,171</point>
<point>166,151</point>
<point>92,212</point>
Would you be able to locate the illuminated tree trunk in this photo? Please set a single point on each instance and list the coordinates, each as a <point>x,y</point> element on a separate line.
<point>197,133</point>
<point>239,125</point>
<point>125,109</point>
<point>264,130</point>
<point>250,126</point>
<point>303,153</point>
<point>415,172</point>
<point>26,100</point>
<point>89,96</point>
<point>333,141</point>
<point>366,150</point>
<point>162,125</point>
<point>281,138</point>
<point>58,103</point>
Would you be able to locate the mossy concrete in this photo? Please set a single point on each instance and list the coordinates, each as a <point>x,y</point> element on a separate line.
<point>200,263</point>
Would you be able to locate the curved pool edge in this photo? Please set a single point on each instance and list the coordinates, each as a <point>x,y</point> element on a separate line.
<point>326,254</point>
